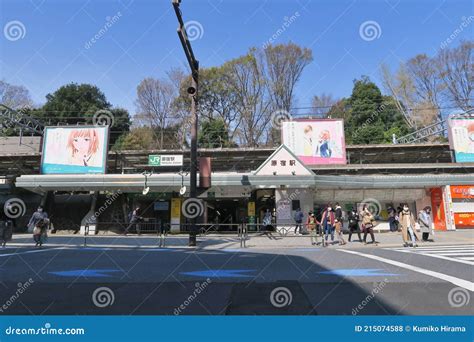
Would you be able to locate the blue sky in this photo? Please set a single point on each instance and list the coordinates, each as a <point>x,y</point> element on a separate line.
<point>142,41</point>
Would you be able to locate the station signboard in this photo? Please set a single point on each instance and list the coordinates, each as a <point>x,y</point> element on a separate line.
<point>165,160</point>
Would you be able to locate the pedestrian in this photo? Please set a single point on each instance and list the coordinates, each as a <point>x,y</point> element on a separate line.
<point>311,223</point>
<point>368,223</point>
<point>338,212</point>
<point>39,223</point>
<point>425,222</point>
<point>338,228</point>
<point>392,219</point>
<point>354,224</point>
<point>6,227</point>
<point>134,220</point>
<point>267,221</point>
<point>327,222</point>
<point>299,220</point>
<point>407,222</point>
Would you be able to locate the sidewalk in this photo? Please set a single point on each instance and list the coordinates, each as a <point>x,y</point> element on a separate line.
<point>215,241</point>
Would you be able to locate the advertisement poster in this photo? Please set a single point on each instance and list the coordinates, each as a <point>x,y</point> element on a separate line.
<point>74,150</point>
<point>437,208</point>
<point>461,138</point>
<point>316,142</point>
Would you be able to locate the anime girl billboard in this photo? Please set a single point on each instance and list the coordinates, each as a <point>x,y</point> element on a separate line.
<point>461,138</point>
<point>316,141</point>
<point>74,150</point>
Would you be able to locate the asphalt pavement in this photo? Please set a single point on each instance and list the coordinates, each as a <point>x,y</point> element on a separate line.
<point>133,276</point>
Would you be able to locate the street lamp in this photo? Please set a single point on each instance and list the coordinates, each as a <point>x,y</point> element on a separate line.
<point>193,93</point>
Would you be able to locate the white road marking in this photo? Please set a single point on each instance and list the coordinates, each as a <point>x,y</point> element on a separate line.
<point>448,252</point>
<point>466,258</point>
<point>468,285</point>
<point>29,252</point>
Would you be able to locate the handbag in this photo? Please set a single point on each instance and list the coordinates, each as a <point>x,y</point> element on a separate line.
<point>37,231</point>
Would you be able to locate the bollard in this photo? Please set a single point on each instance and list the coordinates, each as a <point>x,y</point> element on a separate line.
<point>86,232</point>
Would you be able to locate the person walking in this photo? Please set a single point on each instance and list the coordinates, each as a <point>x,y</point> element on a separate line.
<point>338,228</point>
<point>338,212</point>
<point>299,220</point>
<point>267,221</point>
<point>135,219</point>
<point>327,222</point>
<point>368,223</point>
<point>425,222</point>
<point>39,223</point>
<point>407,222</point>
<point>354,224</point>
<point>311,223</point>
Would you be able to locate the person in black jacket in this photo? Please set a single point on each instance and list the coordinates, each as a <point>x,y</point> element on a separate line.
<point>354,224</point>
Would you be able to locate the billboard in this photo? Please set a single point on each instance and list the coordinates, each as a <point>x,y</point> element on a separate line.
<point>461,138</point>
<point>316,141</point>
<point>74,150</point>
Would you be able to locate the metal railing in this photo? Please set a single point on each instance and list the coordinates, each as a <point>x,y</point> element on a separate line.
<point>242,232</point>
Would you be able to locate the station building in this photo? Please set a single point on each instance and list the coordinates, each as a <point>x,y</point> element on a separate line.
<point>240,184</point>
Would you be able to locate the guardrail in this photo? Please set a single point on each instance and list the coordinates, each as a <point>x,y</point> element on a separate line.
<point>243,232</point>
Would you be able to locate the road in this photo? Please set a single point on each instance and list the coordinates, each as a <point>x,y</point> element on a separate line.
<point>431,280</point>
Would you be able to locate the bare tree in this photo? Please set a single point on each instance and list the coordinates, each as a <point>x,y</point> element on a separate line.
<point>401,86</point>
<point>456,70</point>
<point>14,96</point>
<point>155,104</point>
<point>283,65</point>
<point>323,103</point>
<point>427,83</point>
<point>252,98</point>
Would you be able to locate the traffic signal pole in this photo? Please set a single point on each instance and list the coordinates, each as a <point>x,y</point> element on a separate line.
<point>193,93</point>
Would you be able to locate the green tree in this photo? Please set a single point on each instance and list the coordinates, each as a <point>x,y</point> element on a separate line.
<point>213,134</point>
<point>83,103</point>
<point>372,117</point>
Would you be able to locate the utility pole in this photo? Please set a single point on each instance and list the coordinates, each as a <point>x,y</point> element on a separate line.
<point>193,93</point>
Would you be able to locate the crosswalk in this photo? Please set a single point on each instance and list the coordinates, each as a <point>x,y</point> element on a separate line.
<point>459,253</point>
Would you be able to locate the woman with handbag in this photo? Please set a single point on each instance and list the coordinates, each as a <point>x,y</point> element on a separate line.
<point>39,225</point>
